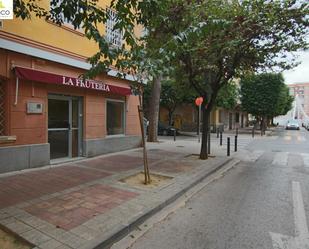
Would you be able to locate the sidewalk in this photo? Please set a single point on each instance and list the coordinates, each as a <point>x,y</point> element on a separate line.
<point>86,203</point>
<point>244,131</point>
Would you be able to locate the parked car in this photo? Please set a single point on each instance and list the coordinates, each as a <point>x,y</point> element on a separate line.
<point>292,125</point>
<point>166,130</point>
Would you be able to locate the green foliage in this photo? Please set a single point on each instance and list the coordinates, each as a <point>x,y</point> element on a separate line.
<point>226,38</point>
<point>172,95</point>
<point>285,101</point>
<point>208,42</point>
<point>265,95</point>
<point>228,96</point>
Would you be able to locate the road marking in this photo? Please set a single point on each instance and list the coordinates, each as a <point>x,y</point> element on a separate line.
<point>301,239</point>
<point>288,138</point>
<point>301,138</point>
<point>280,158</point>
<point>305,157</point>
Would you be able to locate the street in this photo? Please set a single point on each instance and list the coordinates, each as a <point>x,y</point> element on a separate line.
<point>255,205</point>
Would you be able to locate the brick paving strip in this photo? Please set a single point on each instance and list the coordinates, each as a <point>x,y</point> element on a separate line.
<point>85,205</point>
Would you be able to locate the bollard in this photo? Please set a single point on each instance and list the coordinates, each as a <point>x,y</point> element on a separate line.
<point>175,135</point>
<point>228,146</point>
<point>208,147</point>
<point>235,145</point>
<point>220,138</point>
<point>253,132</point>
<point>217,132</point>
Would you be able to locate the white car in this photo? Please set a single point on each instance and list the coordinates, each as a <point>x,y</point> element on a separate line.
<point>292,125</point>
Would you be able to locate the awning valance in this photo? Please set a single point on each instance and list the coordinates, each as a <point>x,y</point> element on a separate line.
<point>50,78</point>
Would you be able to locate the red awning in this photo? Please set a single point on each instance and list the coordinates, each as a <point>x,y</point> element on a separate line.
<point>50,78</point>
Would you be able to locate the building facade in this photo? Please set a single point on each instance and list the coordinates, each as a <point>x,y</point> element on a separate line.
<point>49,114</point>
<point>302,91</point>
<point>185,118</point>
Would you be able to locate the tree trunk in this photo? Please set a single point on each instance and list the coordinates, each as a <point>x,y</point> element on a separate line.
<point>263,124</point>
<point>198,122</point>
<point>146,168</point>
<point>154,109</point>
<point>170,117</point>
<point>205,129</point>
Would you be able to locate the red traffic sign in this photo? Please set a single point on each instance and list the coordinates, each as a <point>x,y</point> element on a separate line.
<point>199,101</point>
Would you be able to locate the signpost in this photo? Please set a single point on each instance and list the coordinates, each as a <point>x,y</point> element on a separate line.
<point>198,102</point>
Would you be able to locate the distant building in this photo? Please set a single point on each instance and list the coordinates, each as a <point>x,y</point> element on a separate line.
<point>185,118</point>
<point>302,90</point>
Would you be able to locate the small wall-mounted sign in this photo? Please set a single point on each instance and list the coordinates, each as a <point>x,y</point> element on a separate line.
<point>34,108</point>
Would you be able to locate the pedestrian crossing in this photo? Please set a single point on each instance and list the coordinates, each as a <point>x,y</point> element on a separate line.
<point>281,158</point>
<point>305,158</point>
<point>297,138</point>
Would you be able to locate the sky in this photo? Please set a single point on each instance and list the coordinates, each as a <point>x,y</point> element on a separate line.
<point>299,74</point>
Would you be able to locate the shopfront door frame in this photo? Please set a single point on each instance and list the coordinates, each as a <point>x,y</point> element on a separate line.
<point>70,128</point>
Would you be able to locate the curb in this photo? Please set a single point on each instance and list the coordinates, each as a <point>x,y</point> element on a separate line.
<point>121,232</point>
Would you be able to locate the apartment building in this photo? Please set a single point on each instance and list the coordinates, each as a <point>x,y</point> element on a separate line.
<point>302,91</point>
<point>47,113</point>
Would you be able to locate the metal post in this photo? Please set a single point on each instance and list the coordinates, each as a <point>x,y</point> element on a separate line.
<point>228,146</point>
<point>175,135</point>
<point>221,138</point>
<point>218,132</point>
<point>235,145</point>
<point>199,121</point>
<point>208,147</point>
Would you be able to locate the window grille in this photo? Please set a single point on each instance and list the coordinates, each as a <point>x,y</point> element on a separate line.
<point>113,36</point>
<point>2,109</point>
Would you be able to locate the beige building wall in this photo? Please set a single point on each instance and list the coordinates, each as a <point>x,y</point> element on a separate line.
<point>302,90</point>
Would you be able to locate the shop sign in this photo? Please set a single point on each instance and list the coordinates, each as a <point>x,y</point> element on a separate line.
<point>51,78</point>
<point>89,84</point>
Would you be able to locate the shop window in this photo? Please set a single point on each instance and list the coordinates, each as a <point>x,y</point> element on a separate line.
<point>115,117</point>
<point>2,110</point>
<point>113,36</point>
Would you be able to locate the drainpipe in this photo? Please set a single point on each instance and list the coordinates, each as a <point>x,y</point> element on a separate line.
<point>16,91</point>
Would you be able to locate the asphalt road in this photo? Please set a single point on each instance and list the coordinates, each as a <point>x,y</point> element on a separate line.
<point>256,205</point>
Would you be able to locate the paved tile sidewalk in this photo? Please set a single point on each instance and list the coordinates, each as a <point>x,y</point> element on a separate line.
<point>83,203</point>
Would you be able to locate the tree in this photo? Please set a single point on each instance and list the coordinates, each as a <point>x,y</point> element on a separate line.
<point>227,38</point>
<point>172,95</point>
<point>228,96</point>
<point>285,101</point>
<point>209,41</point>
<point>265,96</point>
